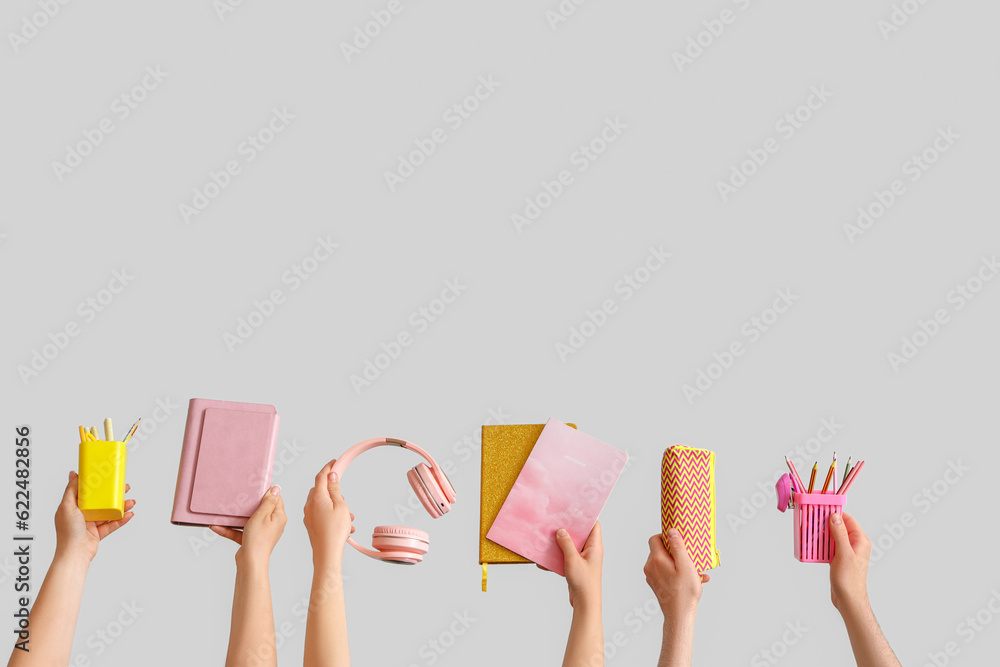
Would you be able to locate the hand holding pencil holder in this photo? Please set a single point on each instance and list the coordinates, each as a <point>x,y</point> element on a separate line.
<point>813,542</point>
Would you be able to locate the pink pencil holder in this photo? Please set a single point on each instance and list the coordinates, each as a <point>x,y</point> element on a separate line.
<point>813,542</point>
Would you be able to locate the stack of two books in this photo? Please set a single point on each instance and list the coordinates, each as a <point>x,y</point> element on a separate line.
<point>537,478</point>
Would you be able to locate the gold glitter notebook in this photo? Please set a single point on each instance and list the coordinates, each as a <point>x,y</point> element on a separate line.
<point>505,448</point>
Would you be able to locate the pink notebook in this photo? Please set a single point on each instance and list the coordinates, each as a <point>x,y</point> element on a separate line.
<point>226,462</point>
<point>563,484</point>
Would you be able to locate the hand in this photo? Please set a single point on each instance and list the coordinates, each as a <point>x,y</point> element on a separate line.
<point>262,530</point>
<point>327,517</point>
<point>849,569</point>
<point>672,575</point>
<point>583,568</point>
<point>76,537</point>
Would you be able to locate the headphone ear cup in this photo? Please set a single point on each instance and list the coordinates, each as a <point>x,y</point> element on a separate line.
<point>400,544</point>
<point>430,493</point>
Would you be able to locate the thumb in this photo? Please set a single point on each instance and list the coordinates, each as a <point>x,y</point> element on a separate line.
<point>70,494</point>
<point>333,486</point>
<point>841,539</point>
<point>565,543</point>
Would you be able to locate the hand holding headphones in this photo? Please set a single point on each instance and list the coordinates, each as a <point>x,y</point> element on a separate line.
<point>402,544</point>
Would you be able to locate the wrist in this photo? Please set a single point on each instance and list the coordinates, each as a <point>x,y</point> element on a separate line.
<point>854,607</point>
<point>250,561</point>
<point>73,556</point>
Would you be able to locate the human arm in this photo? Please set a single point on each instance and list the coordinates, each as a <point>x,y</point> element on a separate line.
<point>328,521</point>
<point>677,585</point>
<point>251,634</point>
<point>585,644</point>
<point>849,593</point>
<point>53,616</point>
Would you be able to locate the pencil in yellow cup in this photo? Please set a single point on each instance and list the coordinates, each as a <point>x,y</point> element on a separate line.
<point>101,491</point>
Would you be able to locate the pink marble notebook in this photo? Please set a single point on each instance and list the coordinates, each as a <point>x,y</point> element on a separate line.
<point>563,484</point>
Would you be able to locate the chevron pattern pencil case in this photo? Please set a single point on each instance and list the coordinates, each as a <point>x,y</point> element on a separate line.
<point>687,498</point>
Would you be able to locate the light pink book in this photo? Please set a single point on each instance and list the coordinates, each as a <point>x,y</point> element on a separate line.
<point>564,484</point>
<point>226,462</point>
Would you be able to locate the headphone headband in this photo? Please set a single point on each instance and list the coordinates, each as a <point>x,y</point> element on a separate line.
<point>345,459</point>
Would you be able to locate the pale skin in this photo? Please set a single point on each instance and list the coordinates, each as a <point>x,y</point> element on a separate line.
<point>585,645</point>
<point>57,605</point>
<point>251,634</point>
<point>328,522</point>
<point>849,593</point>
<point>677,585</point>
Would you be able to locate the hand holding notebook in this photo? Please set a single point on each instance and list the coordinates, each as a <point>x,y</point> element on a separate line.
<point>564,484</point>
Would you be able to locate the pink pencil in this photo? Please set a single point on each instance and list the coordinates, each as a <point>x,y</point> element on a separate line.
<point>795,474</point>
<point>850,478</point>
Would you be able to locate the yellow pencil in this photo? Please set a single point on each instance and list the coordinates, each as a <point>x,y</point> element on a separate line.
<point>812,477</point>
<point>829,475</point>
<point>83,435</point>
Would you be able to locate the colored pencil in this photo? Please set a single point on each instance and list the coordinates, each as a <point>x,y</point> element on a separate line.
<point>812,477</point>
<point>850,480</point>
<point>830,473</point>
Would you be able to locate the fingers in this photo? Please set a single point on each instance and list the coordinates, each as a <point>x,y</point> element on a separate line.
<point>69,495</point>
<point>705,578</point>
<point>108,527</point>
<point>128,487</point>
<point>841,541</point>
<point>594,539</point>
<point>129,504</point>
<point>322,477</point>
<point>333,487</point>
<point>565,543</point>
<point>229,533</point>
<point>859,541</point>
<point>678,551</point>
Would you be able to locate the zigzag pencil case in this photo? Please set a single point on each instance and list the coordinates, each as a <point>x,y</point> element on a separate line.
<point>687,498</point>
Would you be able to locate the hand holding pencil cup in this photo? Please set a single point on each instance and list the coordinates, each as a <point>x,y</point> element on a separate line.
<point>812,540</point>
<point>101,494</point>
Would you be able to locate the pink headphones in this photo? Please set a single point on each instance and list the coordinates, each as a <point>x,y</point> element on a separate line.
<point>401,544</point>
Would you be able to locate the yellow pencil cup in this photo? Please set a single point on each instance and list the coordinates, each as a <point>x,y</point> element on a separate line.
<point>102,480</point>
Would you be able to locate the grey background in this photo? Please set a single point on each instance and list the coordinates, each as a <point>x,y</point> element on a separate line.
<point>161,339</point>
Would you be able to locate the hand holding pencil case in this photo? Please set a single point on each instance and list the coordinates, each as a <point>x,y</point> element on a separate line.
<point>687,498</point>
